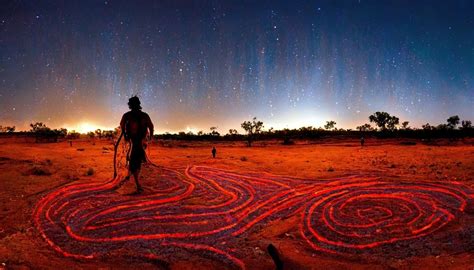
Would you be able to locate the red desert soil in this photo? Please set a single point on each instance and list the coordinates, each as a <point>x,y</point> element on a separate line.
<point>30,171</point>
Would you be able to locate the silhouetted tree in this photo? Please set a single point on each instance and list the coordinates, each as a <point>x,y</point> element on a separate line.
<point>214,131</point>
<point>405,125</point>
<point>38,126</point>
<point>73,134</point>
<point>252,128</point>
<point>108,134</point>
<point>7,129</point>
<point>62,132</point>
<point>200,133</point>
<point>98,133</point>
<point>427,126</point>
<point>91,134</point>
<point>453,121</point>
<point>304,131</point>
<point>392,123</point>
<point>233,131</point>
<point>442,127</point>
<point>466,124</point>
<point>330,125</point>
<point>365,127</point>
<point>384,120</point>
<point>44,133</point>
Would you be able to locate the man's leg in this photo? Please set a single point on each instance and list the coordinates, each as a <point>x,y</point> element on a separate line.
<point>136,175</point>
<point>136,157</point>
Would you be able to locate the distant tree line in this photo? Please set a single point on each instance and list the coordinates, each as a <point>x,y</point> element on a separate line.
<point>385,126</point>
<point>106,134</point>
<point>7,129</point>
<point>43,133</point>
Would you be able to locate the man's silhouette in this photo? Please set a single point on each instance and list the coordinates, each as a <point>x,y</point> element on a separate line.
<point>214,151</point>
<point>135,125</point>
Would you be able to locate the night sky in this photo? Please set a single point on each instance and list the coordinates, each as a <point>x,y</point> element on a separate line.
<point>197,64</point>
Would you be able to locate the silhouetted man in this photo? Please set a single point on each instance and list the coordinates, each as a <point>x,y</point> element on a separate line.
<point>135,125</point>
<point>362,141</point>
<point>214,151</point>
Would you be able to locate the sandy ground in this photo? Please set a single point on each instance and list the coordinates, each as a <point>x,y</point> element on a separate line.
<point>22,247</point>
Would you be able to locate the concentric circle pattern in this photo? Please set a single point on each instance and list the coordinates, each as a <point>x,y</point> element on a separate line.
<point>350,217</point>
<point>203,210</point>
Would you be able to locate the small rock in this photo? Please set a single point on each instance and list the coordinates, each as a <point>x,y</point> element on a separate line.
<point>90,172</point>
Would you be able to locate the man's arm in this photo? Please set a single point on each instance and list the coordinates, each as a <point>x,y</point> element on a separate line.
<point>150,127</point>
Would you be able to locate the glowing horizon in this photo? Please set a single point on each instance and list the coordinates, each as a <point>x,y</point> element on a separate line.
<point>85,126</point>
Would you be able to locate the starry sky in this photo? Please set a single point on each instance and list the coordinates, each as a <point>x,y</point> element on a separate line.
<point>197,64</point>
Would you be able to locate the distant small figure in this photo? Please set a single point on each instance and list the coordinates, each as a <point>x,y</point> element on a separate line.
<point>362,141</point>
<point>70,143</point>
<point>214,151</point>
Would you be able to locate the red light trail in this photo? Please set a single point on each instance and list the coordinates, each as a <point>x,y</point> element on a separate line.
<point>347,217</point>
<point>204,209</point>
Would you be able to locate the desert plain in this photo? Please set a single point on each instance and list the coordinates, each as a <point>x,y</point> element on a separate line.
<point>30,171</point>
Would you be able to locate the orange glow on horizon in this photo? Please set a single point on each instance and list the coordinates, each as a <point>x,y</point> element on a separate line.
<point>85,127</point>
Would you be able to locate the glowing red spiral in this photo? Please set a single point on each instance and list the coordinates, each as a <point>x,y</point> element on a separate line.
<point>201,210</point>
<point>204,209</point>
<point>350,217</point>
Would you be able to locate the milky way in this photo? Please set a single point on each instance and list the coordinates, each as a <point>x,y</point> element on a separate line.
<point>217,63</point>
